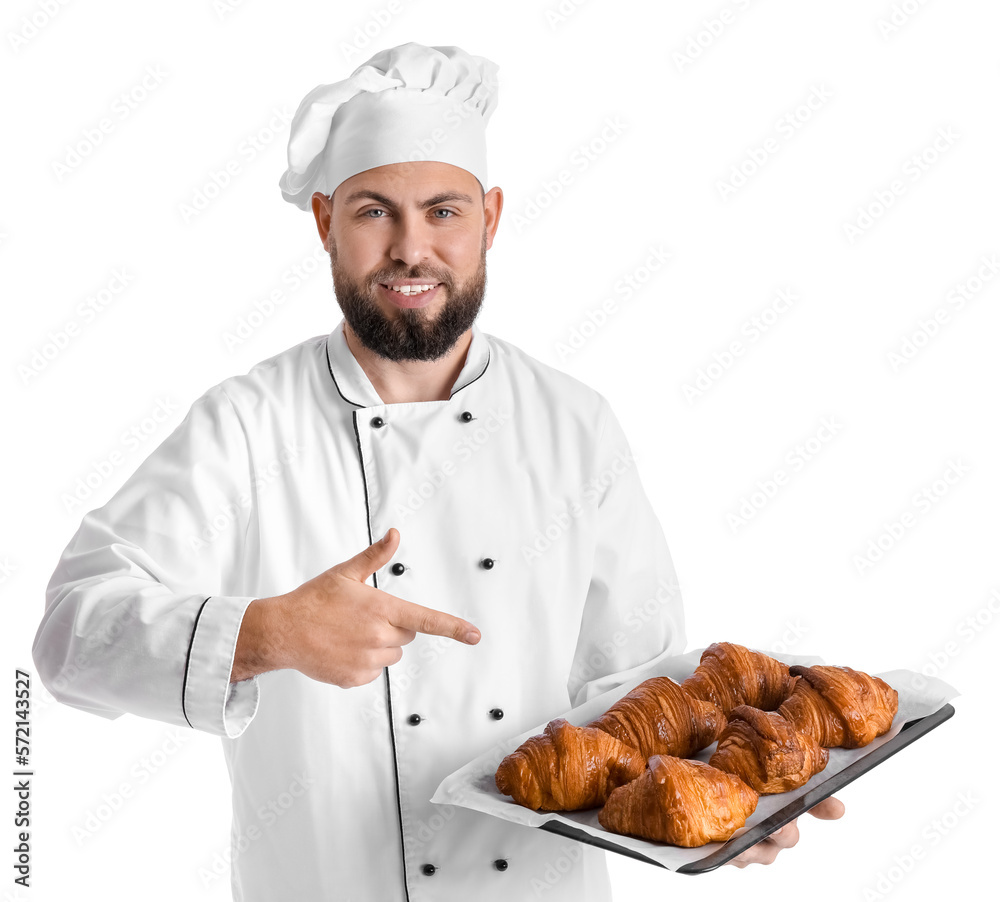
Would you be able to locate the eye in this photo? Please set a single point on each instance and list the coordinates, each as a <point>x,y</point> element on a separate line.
<point>452,212</point>
<point>374,210</point>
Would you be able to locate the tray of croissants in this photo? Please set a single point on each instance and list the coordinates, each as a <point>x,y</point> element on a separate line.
<point>690,765</point>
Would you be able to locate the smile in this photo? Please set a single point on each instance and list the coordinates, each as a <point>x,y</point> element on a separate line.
<point>418,295</point>
<point>412,289</point>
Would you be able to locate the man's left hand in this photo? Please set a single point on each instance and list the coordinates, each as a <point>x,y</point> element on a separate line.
<point>767,849</point>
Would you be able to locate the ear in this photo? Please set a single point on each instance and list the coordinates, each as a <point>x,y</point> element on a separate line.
<point>492,205</point>
<point>322,207</point>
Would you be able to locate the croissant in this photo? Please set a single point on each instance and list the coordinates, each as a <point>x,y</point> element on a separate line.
<point>659,718</point>
<point>681,802</point>
<point>730,675</point>
<point>838,706</point>
<point>766,752</point>
<point>567,768</point>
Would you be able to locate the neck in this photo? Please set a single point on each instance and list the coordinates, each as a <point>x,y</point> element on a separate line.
<point>403,381</point>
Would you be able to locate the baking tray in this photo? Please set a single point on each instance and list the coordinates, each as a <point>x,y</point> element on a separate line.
<point>923,704</point>
<point>910,732</point>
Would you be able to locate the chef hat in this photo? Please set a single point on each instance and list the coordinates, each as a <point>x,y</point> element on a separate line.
<point>406,103</point>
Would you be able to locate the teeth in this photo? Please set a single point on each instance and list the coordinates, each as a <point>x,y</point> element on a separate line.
<point>411,289</point>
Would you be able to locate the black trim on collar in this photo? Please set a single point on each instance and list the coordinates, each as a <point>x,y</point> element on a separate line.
<point>329,366</point>
<point>489,356</point>
<point>336,385</point>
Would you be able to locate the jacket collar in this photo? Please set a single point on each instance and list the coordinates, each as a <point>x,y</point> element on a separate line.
<point>356,388</point>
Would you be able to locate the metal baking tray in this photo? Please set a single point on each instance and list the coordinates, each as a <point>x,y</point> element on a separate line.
<point>911,731</point>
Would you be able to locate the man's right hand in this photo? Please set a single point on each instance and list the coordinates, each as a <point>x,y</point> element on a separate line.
<point>336,628</point>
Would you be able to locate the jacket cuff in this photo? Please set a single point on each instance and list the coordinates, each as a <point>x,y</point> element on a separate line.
<point>209,701</point>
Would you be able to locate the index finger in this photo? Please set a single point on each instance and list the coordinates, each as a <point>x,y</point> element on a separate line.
<point>411,616</point>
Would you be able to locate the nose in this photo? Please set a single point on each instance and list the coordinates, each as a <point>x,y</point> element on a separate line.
<point>411,239</point>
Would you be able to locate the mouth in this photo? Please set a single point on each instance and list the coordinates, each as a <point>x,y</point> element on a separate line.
<point>404,294</point>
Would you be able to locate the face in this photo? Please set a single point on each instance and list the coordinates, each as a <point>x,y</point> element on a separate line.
<point>427,222</point>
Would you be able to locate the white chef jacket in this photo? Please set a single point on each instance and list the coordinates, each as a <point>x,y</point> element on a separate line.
<point>519,508</point>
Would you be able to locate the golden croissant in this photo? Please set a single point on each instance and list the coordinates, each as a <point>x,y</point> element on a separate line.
<point>567,768</point>
<point>766,752</point>
<point>681,802</point>
<point>659,718</point>
<point>730,675</point>
<point>838,706</point>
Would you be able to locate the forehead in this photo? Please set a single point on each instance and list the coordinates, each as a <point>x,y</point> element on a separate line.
<point>409,181</point>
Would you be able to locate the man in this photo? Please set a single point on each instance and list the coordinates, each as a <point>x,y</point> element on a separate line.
<point>491,500</point>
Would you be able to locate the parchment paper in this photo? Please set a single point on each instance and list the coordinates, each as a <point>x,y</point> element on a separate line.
<point>473,786</point>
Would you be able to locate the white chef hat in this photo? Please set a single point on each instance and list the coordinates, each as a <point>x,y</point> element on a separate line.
<point>406,103</point>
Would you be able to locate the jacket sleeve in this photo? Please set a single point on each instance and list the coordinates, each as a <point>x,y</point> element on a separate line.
<point>633,615</point>
<point>137,618</point>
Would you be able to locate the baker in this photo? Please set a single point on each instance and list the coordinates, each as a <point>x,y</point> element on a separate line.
<point>385,550</point>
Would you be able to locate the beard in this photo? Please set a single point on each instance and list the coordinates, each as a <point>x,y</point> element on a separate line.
<point>409,333</point>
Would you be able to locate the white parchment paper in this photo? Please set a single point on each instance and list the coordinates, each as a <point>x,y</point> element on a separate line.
<point>473,786</point>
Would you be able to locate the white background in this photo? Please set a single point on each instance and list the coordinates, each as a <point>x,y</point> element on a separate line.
<point>794,575</point>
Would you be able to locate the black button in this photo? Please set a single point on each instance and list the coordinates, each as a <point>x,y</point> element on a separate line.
<point>496,713</point>
<point>397,569</point>
<point>500,864</point>
<point>428,869</point>
<point>414,719</point>
<point>378,422</point>
<point>466,416</point>
<point>487,563</point>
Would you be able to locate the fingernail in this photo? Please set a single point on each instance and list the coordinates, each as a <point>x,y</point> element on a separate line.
<point>472,637</point>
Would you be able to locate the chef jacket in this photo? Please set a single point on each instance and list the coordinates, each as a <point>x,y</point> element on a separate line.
<point>519,508</point>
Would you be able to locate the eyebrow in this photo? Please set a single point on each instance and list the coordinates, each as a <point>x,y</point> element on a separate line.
<point>443,197</point>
